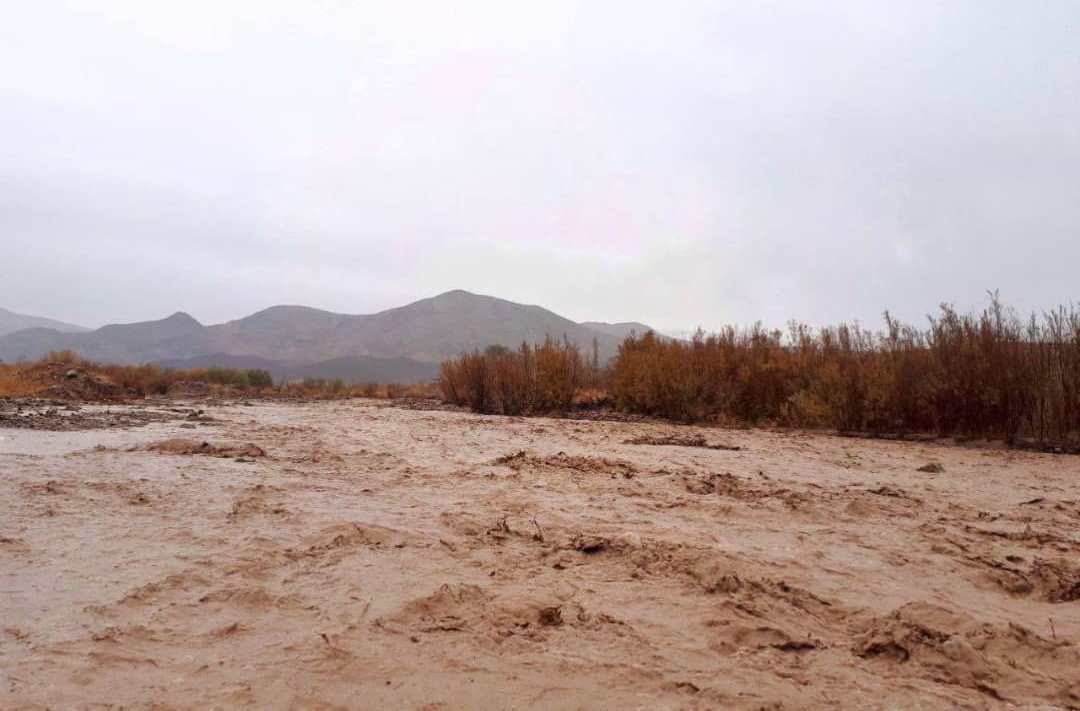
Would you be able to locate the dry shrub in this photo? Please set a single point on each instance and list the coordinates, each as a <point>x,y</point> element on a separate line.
<point>65,357</point>
<point>982,375</point>
<point>424,390</point>
<point>143,379</point>
<point>13,382</point>
<point>337,389</point>
<point>540,378</point>
<point>28,379</point>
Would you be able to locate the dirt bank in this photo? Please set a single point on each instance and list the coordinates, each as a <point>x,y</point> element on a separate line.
<point>391,558</point>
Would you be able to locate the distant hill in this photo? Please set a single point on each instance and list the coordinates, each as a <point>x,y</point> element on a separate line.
<point>11,322</point>
<point>618,330</point>
<point>178,336</point>
<point>426,331</point>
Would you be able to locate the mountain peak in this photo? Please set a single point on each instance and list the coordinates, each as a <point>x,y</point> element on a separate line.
<point>181,317</point>
<point>285,316</point>
<point>11,322</point>
<point>288,309</point>
<point>457,295</point>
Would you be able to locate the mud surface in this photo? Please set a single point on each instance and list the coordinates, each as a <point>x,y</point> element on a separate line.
<point>357,556</point>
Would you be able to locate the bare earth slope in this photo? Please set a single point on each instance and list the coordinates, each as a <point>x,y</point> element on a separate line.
<point>389,558</point>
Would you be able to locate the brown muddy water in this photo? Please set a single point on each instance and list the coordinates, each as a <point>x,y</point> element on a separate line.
<point>362,556</point>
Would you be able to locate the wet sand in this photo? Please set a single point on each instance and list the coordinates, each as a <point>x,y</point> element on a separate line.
<point>388,558</point>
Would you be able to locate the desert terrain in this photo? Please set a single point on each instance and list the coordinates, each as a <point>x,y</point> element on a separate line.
<point>351,554</point>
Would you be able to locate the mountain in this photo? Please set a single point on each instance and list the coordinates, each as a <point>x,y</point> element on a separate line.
<point>429,330</point>
<point>177,336</point>
<point>447,325</point>
<point>11,322</point>
<point>426,331</point>
<point>619,330</point>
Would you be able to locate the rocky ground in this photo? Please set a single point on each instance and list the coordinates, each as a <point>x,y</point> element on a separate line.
<point>348,555</point>
<point>70,416</point>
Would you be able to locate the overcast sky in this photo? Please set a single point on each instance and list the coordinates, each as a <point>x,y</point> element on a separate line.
<point>679,163</point>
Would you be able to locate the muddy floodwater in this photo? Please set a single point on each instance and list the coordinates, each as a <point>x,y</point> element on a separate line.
<point>353,555</point>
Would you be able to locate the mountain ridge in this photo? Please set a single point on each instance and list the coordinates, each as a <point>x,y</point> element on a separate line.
<point>12,322</point>
<point>620,329</point>
<point>426,331</point>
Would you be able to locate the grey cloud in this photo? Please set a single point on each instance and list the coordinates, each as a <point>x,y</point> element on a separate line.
<point>693,163</point>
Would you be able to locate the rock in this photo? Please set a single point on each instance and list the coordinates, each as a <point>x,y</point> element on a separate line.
<point>589,544</point>
<point>551,617</point>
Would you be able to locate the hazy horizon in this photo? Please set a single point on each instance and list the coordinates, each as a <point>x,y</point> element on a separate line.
<point>703,164</point>
<point>676,332</point>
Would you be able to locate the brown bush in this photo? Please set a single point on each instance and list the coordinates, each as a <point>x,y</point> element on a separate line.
<point>985,375</point>
<point>540,378</point>
<point>28,379</point>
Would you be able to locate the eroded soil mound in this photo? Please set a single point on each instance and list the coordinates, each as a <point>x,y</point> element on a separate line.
<point>523,460</point>
<point>682,441</point>
<point>70,381</point>
<point>220,449</point>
